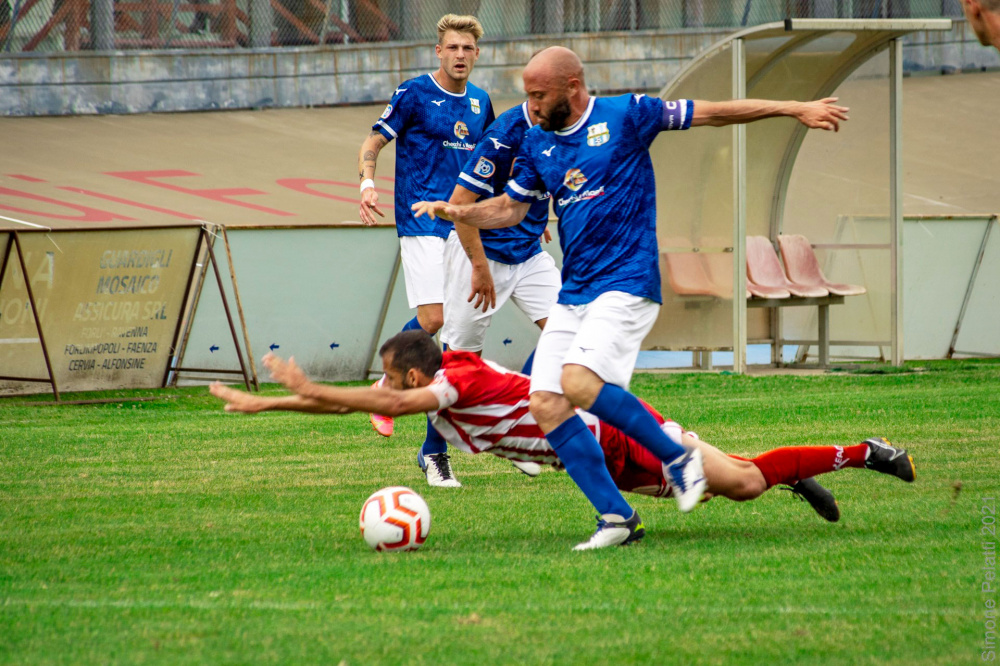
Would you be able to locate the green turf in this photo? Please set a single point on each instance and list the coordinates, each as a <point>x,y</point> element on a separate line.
<point>170,532</point>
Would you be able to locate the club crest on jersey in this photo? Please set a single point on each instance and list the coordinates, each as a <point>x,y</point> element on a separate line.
<point>484,168</point>
<point>574,179</point>
<point>475,104</point>
<point>461,130</point>
<point>387,112</point>
<point>598,134</point>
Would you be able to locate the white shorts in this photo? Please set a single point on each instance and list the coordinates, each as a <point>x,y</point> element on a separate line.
<point>533,286</point>
<point>604,335</point>
<point>423,269</point>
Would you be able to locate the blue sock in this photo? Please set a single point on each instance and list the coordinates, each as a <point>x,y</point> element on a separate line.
<point>412,325</point>
<point>623,410</point>
<point>584,461</point>
<point>434,443</point>
<point>526,370</point>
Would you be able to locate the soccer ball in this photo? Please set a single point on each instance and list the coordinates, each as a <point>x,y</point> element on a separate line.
<point>395,518</point>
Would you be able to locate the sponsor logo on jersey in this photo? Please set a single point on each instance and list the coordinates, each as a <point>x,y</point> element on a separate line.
<point>399,90</point>
<point>548,152</point>
<point>475,104</point>
<point>484,168</point>
<point>598,134</point>
<point>437,102</point>
<point>574,179</point>
<point>638,96</point>
<point>497,145</point>
<point>461,130</point>
<point>387,112</point>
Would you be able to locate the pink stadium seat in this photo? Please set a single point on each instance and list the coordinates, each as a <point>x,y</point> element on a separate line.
<point>688,276</point>
<point>803,267</point>
<point>764,270</point>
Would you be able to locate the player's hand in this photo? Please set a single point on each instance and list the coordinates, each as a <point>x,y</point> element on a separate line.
<point>822,114</point>
<point>482,288</point>
<point>369,204</point>
<point>433,209</point>
<point>286,372</point>
<point>547,235</point>
<point>236,401</point>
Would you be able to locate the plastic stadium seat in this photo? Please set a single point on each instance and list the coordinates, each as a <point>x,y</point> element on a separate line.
<point>803,267</point>
<point>688,275</point>
<point>764,270</point>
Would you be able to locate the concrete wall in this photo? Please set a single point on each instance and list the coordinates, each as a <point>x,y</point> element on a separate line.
<point>141,82</point>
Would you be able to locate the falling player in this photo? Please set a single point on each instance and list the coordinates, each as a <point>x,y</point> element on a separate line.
<point>482,407</point>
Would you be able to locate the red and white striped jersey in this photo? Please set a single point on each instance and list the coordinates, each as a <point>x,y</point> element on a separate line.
<point>484,407</point>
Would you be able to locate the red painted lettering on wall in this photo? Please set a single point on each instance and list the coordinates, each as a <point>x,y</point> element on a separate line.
<point>303,185</point>
<point>221,195</point>
<point>88,214</point>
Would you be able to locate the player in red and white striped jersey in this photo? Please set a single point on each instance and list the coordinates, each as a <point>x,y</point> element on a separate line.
<point>479,406</point>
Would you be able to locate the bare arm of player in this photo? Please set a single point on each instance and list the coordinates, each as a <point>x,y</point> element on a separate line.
<point>342,400</point>
<point>367,159</point>
<point>820,114</point>
<point>495,213</point>
<point>483,290</point>
<point>246,403</point>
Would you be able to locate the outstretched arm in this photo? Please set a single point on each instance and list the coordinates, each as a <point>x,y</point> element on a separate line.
<point>820,114</point>
<point>495,213</point>
<point>246,403</point>
<point>367,160</point>
<point>340,399</point>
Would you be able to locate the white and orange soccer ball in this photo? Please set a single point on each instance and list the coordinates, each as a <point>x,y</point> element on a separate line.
<point>395,518</point>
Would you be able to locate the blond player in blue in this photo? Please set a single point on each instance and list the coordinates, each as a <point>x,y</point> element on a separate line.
<point>592,156</point>
<point>436,120</point>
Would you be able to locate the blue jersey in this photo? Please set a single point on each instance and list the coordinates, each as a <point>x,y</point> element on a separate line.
<point>435,130</point>
<point>486,173</point>
<point>600,176</point>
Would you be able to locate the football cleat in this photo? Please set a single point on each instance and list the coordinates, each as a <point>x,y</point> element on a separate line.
<point>532,469</point>
<point>819,498</point>
<point>613,530</point>
<point>437,467</point>
<point>383,424</point>
<point>884,457</point>
<point>687,479</point>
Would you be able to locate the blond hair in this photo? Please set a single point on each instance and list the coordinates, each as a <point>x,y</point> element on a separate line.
<point>467,24</point>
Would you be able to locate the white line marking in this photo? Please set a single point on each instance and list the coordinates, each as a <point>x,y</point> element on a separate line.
<point>17,341</point>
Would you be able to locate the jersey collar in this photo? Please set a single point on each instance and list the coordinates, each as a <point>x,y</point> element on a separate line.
<point>527,116</point>
<point>446,92</point>
<point>581,122</point>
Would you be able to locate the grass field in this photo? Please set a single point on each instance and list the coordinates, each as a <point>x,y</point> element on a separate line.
<point>167,531</point>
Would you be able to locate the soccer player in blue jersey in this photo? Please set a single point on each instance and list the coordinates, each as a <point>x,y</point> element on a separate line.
<point>496,264</point>
<point>591,155</point>
<point>436,119</point>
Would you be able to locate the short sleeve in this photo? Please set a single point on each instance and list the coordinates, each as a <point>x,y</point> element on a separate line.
<point>443,390</point>
<point>525,185</point>
<point>393,119</point>
<point>652,115</point>
<point>490,155</point>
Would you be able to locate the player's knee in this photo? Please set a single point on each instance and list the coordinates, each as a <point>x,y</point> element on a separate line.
<point>748,488</point>
<point>580,385</point>
<point>549,409</point>
<point>432,323</point>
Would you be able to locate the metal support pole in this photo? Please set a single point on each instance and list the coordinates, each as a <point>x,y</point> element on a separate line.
<point>896,195</point>
<point>739,216</point>
<point>990,223</point>
<point>102,24</point>
<point>34,314</point>
<point>239,310</point>
<point>261,23</point>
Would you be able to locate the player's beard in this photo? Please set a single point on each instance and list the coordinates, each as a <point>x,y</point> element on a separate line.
<point>556,120</point>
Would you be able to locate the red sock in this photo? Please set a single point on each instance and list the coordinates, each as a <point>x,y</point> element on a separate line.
<point>792,463</point>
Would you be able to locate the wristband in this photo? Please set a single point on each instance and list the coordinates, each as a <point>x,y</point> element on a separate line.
<point>366,183</point>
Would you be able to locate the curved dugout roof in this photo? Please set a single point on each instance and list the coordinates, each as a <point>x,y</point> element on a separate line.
<point>743,191</point>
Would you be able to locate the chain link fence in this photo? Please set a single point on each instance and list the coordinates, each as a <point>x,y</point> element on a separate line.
<point>77,25</point>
